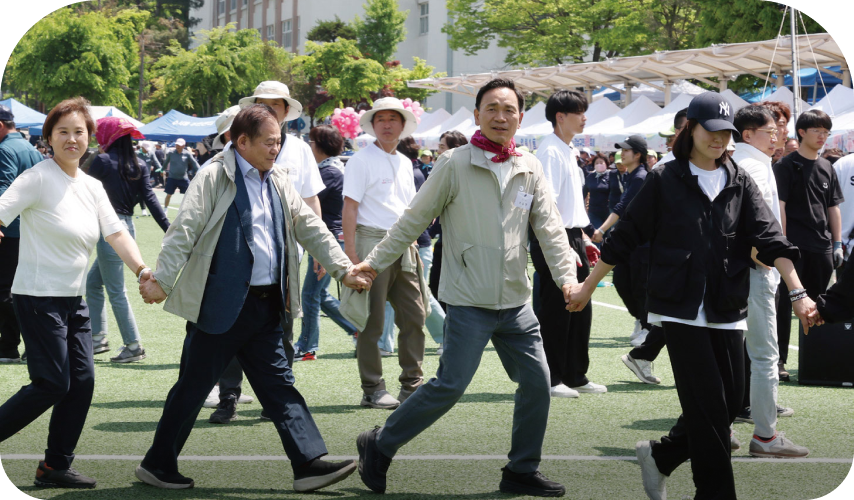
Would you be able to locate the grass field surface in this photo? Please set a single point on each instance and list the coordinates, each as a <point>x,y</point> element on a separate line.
<point>589,445</point>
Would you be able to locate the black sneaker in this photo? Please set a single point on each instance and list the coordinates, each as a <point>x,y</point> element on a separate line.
<point>265,416</point>
<point>10,357</point>
<point>744,416</point>
<point>373,465</point>
<point>320,474</point>
<point>156,477</point>
<point>68,478</point>
<point>533,484</point>
<point>226,411</point>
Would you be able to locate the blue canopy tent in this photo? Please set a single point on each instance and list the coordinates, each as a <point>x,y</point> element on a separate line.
<point>174,125</point>
<point>24,116</point>
<point>810,82</point>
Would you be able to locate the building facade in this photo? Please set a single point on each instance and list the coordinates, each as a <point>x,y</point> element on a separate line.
<point>288,21</point>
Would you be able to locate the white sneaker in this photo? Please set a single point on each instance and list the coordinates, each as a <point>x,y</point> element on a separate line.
<point>562,391</point>
<point>440,350</point>
<point>653,480</point>
<point>145,213</point>
<point>385,353</point>
<point>641,368</point>
<point>380,399</point>
<point>779,447</point>
<point>244,399</point>
<point>641,336</point>
<point>636,331</point>
<point>591,388</point>
<point>213,398</point>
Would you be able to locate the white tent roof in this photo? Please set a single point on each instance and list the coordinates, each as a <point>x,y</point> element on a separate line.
<point>734,100</point>
<point>99,112</point>
<point>783,94</point>
<point>655,94</point>
<point>632,114</point>
<point>601,110</point>
<point>430,120</point>
<point>837,102</point>
<point>598,111</point>
<point>535,116</point>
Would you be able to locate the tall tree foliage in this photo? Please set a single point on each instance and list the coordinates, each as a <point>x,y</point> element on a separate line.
<point>381,30</point>
<point>329,31</point>
<point>69,53</point>
<point>744,21</point>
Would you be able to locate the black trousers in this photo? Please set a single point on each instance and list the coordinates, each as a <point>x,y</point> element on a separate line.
<point>10,331</point>
<point>814,270</point>
<point>257,340</point>
<point>630,281</point>
<point>709,373</point>
<point>58,338</point>
<point>436,272</point>
<point>652,345</point>
<point>566,336</point>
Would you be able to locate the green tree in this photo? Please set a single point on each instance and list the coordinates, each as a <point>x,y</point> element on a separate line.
<point>226,66</point>
<point>381,30</point>
<point>329,31</point>
<point>400,75</point>
<point>744,21</point>
<point>68,53</point>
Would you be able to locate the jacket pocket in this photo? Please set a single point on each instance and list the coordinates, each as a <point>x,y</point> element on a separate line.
<point>668,273</point>
<point>734,285</point>
<point>480,274</point>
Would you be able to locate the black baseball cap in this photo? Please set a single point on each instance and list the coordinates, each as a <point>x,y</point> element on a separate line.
<point>6,114</point>
<point>712,112</point>
<point>635,142</point>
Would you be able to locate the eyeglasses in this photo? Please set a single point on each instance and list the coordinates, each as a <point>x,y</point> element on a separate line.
<point>770,131</point>
<point>819,131</point>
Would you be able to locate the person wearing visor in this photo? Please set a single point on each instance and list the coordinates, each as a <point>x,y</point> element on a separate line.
<point>701,215</point>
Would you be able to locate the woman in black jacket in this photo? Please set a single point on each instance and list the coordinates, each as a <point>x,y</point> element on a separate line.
<point>701,215</point>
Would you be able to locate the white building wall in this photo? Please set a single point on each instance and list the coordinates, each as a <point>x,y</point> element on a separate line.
<point>432,46</point>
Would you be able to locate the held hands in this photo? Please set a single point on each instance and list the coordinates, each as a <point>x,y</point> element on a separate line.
<point>576,297</point>
<point>807,312</point>
<point>361,277</point>
<point>150,289</point>
<point>597,236</point>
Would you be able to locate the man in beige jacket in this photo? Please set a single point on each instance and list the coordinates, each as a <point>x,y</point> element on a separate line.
<point>486,194</point>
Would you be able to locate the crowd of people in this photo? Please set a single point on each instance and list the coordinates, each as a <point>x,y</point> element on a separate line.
<point>713,246</point>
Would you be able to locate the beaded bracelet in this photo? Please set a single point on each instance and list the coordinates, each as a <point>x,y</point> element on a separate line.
<point>796,291</point>
<point>798,297</point>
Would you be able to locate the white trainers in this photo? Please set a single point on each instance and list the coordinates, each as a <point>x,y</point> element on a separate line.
<point>213,398</point>
<point>385,353</point>
<point>591,388</point>
<point>145,213</point>
<point>653,480</point>
<point>641,368</point>
<point>637,341</point>
<point>381,400</point>
<point>562,391</point>
<point>779,447</point>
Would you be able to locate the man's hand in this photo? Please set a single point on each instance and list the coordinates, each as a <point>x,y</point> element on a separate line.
<point>838,254</point>
<point>359,281</point>
<point>1,236</point>
<point>815,318</point>
<point>363,267</point>
<point>319,270</point>
<point>597,236</point>
<point>803,309</point>
<point>151,291</point>
<point>577,297</point>
<point>592,252</point>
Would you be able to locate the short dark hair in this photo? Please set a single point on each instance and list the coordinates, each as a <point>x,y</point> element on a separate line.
<point>408,147</point>
<point>66,107</point>
<point>685,143</point>
<point>248,121</point>
<point>565,101</point>
<point>810,119</point>
<point>751,118</point>
<point>600,156</point>
<point>327,139</point>
<point>779,108</point>
<point>682,114</point>
<point>8,123</point>
<point>402,118</point>
<point>500,83</point>
<point>454,139</point>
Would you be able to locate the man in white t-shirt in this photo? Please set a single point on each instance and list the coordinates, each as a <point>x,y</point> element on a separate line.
<point>845,173</point>
<point>378,186</point>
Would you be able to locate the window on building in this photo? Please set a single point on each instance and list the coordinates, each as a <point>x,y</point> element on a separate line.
<point>222,6</point>
<point>287,34</point>
<point>233,4</point>
<point>245,3</point>
<point>270,32</point>
<point>424,19</point>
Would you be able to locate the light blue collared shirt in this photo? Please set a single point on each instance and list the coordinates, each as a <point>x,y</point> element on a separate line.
<point>265,270</point>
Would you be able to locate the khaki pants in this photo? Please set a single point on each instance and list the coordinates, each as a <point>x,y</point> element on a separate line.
<point>403,291</point>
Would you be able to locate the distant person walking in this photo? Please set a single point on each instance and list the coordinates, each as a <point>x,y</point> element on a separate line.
<point>179,163</point>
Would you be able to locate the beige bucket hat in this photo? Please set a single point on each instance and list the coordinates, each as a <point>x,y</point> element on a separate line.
<point>389,104</point>
<point>274,90</point>
<point>223,124</point>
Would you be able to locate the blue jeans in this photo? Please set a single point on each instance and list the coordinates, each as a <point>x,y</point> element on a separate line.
<point>316,298</point>
<point>108,272</point>
<point>515,333</point>
<point>434,323</point>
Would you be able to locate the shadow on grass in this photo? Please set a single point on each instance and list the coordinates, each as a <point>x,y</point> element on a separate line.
<point>414,496</point>
<point>636,386</point>
<point>136,366</point>
<point>337,355</point>
<point>610,451</point>
<point>655,424</point>
<point>121,405</point>
<point>616,343</point>
<point>139,490</point>
<point>486,397</point>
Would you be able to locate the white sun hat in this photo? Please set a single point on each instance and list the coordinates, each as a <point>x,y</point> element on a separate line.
<point>389,104</point>
<point>274,90</point>
<point>223,124</point>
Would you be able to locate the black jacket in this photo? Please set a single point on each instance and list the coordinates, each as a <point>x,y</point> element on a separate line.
<point>699,250</point>
<point>837,304</point>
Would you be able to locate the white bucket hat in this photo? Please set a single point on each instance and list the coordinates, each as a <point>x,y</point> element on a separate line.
<point>274,90</point>
<point>389,104</point>
<point>223,124</point>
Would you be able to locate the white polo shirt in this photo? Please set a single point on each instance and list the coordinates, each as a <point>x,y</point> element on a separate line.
<point>297,157</point>
<point>844,168</point>
<point>566,178</point>
<point>381,183</point>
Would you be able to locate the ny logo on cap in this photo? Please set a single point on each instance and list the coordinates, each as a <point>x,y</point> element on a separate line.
<point>724,108</point>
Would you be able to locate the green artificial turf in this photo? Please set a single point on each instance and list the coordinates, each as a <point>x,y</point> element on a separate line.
<point>128,402</point>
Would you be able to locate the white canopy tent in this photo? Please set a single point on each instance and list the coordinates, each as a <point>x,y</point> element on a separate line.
<point>99,112</point>
<point>429,120</point>
<point>531,135</point>
<point>655,94</point>
<point>597,135</point>
<point>651,127</point>
<point>734,100</point>
<point>837,102</point>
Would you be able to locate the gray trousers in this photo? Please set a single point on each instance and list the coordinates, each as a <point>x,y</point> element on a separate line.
<point>515,333</point>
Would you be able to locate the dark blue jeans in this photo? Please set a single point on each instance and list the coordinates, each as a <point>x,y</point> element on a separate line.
<point>256,339</point>
<point>58,339</point>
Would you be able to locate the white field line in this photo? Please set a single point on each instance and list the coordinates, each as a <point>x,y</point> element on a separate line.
<point>282,458</point>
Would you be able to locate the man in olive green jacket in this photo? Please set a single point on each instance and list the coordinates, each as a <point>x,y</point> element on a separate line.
<point>486,194</point>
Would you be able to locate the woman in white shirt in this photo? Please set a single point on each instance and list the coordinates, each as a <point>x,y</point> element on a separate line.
<point>63,213</point>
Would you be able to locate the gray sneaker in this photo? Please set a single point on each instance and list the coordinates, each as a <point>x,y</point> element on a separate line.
<point>779,447</point>
<point>127,355</point>
<point>100,346</point>
<point>641,368</point>
<point>381,400</point>
<point>782,411</point>
<point>653,480</point>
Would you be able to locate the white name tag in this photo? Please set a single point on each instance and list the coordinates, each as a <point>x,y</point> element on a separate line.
<point>523,200</point>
